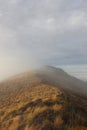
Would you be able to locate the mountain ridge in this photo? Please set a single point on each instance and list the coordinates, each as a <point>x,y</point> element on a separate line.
<point>38,100</point>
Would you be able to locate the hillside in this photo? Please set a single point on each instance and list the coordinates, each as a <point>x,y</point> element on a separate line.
<point>43,99</point>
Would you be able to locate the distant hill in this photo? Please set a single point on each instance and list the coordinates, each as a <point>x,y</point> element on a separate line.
<point>44,99</point>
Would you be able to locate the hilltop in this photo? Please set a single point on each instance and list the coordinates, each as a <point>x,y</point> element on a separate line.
<point>44,99</point>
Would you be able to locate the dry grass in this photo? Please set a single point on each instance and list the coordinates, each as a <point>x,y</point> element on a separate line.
<point>29,104</point>
<point>40,110</point>
<point>36,111</point>
<point>58,121</point>
<point>15,123</point>
<point>31,128</point>
<point>57,107</point>
<point>78,128</point>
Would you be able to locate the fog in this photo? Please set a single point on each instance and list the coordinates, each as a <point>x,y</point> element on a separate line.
<point>49,32</point>
<point>78,71</point>
<point>11,67</point>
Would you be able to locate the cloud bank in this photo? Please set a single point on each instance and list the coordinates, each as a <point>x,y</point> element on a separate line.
<point>42,32</point>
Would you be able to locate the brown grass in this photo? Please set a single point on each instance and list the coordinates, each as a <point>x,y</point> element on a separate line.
<point>15,123</point>
<point>40,110</point>
<point>57,107</point>
<point>78,128</point>
<point>33,105</point>
<point>58,122</point>
<point>37,111</point>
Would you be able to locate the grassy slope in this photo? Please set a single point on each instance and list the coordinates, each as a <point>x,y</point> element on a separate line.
<point>28,103</point>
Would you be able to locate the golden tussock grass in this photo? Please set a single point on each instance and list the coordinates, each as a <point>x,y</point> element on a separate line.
<point>58,121</point>
<point>37,111</point>
<point>78,128</point>
<point>57,107</point>
<point>37,107</point>
<point>15,123</point>
<point>40,110</point>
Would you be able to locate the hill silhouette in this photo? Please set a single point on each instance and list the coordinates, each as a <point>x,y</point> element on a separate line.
<point>44,99</point>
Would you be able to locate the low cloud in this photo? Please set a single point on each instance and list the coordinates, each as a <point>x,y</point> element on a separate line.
<point>42,32</point>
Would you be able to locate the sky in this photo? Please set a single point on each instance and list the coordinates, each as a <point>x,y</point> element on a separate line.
<point>78,71</point>
<point>38,32</point>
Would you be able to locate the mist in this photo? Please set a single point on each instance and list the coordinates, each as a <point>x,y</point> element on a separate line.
<point>78,71</point>
<point>41,33</point>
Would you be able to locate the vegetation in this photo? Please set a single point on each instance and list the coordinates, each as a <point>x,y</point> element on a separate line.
<point>39,106</point>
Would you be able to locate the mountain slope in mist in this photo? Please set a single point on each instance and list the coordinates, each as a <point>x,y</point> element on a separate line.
<point>43,99</point>
<point>58,76</point>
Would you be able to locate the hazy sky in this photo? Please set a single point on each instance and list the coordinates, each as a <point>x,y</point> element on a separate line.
<point>78,71</point>
<point>36,32</point>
